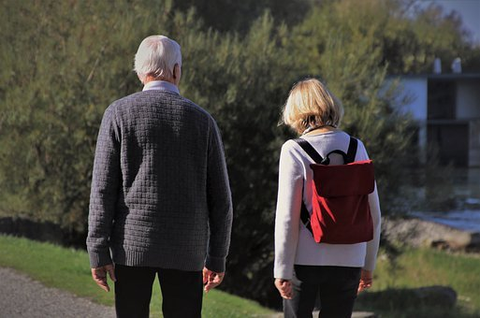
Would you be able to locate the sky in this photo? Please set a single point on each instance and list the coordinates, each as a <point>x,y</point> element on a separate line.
<point>469,10</point>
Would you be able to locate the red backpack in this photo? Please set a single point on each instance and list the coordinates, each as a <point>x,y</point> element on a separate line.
<point>341,212</point>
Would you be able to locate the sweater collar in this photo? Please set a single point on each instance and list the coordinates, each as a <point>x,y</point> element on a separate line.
<point>161,86</point>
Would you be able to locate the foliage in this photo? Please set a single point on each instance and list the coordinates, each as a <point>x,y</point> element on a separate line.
<point>237,16</point>
<point>415,35</point>
<point>245,84</point>
<point>59,74</point>
<point>67,269</point>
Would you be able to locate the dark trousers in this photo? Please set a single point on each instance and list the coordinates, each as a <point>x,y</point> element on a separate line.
<point>182,292</point>
<point>335,286</point>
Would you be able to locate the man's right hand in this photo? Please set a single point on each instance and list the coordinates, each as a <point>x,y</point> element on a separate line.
<point>99,275</point>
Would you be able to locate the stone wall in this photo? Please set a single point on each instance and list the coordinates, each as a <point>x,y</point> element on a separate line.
<point>418,233</point>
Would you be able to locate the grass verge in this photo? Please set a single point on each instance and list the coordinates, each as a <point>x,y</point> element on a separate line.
<point>394,280</point>
<point>68,269</point>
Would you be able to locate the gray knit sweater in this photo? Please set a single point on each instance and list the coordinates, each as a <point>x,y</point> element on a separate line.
<point>160,194</point>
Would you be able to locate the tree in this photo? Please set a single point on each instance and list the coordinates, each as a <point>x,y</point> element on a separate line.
<point>238,16</point>
<point>417,35</point>
<point>64,64</point>
<point>243,82</point>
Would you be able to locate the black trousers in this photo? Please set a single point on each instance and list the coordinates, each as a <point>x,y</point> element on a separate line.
<point>182,292</point>
<point>336,287</point>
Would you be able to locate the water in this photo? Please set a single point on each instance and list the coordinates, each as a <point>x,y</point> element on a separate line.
<point>466,183</point>
<point>467,191</point>
<point>467,220</point>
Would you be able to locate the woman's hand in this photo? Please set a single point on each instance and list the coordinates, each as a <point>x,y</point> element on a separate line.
<point>366,280</point>
<point>284,287</point>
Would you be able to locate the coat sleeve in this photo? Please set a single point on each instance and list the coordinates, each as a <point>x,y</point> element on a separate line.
<point>374,202</point>
<point>219,203</point>
<point>106,180</point>
<point>287,216</point>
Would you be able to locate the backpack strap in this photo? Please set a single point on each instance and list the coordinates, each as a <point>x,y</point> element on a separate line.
<point>349,157</point>
<point>305,217</point>
<point>308,148</point>
<point>352,150</point>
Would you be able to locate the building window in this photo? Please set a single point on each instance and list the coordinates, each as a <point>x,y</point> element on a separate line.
<point>441,99</point>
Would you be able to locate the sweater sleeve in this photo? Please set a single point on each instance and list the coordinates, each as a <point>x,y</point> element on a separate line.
<point>104,190</point>
<point>219,203</point>
<point>374,202</point>
<point>287,218</point>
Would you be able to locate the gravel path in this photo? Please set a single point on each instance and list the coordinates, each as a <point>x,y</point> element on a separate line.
<point>22,297</point>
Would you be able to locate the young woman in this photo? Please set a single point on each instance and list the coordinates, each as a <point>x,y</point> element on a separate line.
<point>305,270</point>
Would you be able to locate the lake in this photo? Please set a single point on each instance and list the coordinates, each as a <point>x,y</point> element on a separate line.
<point>466,184</point>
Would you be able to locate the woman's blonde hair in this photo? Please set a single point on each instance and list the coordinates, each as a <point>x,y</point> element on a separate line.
<point>310,103</point>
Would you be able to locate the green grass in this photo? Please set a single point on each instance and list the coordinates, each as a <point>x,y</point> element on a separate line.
<point>68,269</point>
<point>420,268</point>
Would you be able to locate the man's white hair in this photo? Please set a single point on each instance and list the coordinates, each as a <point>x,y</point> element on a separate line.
<point>157,56</point>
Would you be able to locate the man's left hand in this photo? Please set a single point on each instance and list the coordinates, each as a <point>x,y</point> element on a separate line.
<point>211,279</point>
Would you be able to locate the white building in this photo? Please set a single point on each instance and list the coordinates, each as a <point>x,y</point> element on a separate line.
<point>446,108</point>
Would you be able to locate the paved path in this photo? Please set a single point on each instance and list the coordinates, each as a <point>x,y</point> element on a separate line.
<point>22,297</point>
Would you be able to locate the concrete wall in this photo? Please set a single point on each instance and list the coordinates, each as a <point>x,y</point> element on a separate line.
<point>415,90</point>
<point>415,93</point>
<point>468,107</point>
<point>474,150</point>
<point>468,99</point>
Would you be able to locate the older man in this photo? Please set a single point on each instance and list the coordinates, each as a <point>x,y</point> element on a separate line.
<point>160,202</point>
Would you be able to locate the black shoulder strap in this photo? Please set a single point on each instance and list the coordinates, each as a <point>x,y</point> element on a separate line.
<point>352,150</point>
<point>308,148</point>
<point>305,217</point>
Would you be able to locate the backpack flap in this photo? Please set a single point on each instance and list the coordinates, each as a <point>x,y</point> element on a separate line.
<point>341,212</point>
<point>352,179</point>
<point>340,208</point>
